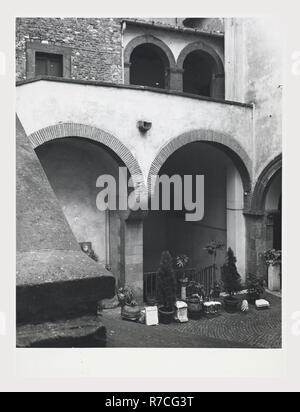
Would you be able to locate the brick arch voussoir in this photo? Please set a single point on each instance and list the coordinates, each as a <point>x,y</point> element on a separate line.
<point>149,39</point>
<point>262,184</point>
<point>203,46</point>
<point>65,130</point>
<point>235,151</point>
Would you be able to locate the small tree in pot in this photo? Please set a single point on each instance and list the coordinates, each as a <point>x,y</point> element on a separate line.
<point>130,309</point>
<point>212,248</point>
<point>255,288</point>
<point>195,300</point>
<point>166,288</point>
<point>232,281</point>
<point>181,263</point>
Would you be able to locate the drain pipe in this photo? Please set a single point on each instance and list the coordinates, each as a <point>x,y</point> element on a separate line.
<point>253,137</point>
<point>123,28</point>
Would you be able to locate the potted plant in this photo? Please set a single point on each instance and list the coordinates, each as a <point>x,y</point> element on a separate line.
<point>273,260</point>
<point>216,290</point>
<point>130,309</point>
<point>255,288</point>
<point>195,300</point>
<point>166,288</point>
<point>212,249</point>
<point>232,281</point>
<point>181,263</point>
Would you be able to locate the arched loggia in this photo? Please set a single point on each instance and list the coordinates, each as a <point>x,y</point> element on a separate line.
<point>226,170</point>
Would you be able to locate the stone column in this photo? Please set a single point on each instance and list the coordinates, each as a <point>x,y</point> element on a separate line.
<point>218,86</point>
<point>127,72</point>
<point>274,282</point>
<point>134,270</point>
<point>176,79</point>
<point>236,231</point>
<point>116,247</point>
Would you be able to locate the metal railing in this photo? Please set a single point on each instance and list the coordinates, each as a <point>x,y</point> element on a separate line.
<point>205,276</point>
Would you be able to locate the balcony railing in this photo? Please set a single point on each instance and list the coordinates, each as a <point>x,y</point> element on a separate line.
<point>205,276</point>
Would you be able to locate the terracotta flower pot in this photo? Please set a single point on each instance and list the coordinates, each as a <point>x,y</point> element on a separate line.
<point>274,281</point>
<point>231,304</point>
<point>166,315</point>
<point>253,297</point>
<point>195,307</point>
<point>131,313</point>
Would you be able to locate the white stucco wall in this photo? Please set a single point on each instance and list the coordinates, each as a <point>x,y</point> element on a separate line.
<point>117,110</point>
<point>254,74</point>
<point>175,41</point>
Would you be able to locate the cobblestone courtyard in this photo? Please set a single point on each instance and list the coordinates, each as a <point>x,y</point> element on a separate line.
<point>256,329</point>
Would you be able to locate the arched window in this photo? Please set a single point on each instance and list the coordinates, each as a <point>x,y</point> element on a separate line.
<point>203,70</point>
<point>198,74</point>
<point>149,67</point>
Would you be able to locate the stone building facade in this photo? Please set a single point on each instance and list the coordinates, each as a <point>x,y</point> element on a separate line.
<point>94,46</point>
<point>211,90</point>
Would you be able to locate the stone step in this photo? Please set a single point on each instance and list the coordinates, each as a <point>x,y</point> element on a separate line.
<point>83,332</point>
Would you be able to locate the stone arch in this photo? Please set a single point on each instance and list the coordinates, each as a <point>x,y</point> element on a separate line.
<point>203,46</point>
<point>237,185</point>
<point>228,144</point>
<point>147,39</point>
<point>65,130</point>
<point>263,183</point>
<point>217,86</point>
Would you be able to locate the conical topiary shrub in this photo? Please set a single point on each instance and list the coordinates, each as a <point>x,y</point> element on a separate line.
<point>231,280</point>
<point>166,288</point>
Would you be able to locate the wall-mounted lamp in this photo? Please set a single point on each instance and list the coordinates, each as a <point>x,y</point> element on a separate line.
<point>144,126</point>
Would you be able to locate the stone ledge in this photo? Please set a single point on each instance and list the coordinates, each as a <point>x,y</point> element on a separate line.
<point>55,285</point>
<point>39,267</point>
<point>83,332</point>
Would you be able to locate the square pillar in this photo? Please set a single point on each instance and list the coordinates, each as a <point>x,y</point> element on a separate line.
<point>236,231</point>
<point>133,250</point>
<point>176,79</point>
<point>274,280</point>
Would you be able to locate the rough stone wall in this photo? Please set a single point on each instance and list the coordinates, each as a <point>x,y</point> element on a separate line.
<point>95,43</point>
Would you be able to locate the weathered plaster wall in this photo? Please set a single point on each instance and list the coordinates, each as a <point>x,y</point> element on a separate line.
<point>253,72</point>
<point>207,24</point>
<point>95,43</point>
<point>117,111</point>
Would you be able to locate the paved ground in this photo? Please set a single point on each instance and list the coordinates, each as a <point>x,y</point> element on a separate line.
<point>256,329</point>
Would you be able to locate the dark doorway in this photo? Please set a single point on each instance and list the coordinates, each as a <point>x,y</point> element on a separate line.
<point>198,72</point>
<point>148,66</point>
